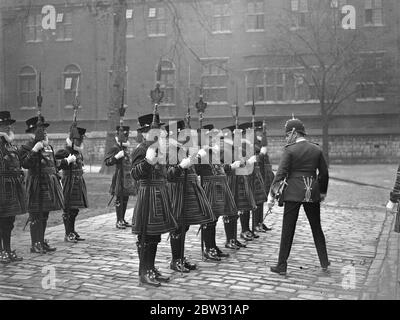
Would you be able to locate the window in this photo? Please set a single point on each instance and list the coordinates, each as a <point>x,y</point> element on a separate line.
<point>72,80</point>
<point>299,10</point>
<point>156,22</point>
<point>64,26</point>
<point>373,12</point>
<point>221,20</point>
<point>280,85</point>
<point>27,88</point>
<point>367,91</point>
<point>168,82</point>
<point>33,28</point>
<point>214,79</point>
<point>130,27</point>
<point>255,15</point>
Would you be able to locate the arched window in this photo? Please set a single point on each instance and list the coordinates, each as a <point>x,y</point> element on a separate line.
<point>72,80</point>
<point>27,87</point>
<point>168,81</point>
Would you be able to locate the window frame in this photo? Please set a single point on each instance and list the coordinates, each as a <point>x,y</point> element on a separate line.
<point>159,21</point>
<point>21,76</point>
<point>256,15</point>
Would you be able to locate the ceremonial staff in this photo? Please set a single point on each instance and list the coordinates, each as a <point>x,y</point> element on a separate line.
<point>122,110</point>
<point>253,126</point>
<point>39,136</point>
<point>201,108</point>
<point>74,134</point>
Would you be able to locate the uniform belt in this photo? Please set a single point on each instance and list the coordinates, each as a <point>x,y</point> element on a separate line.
<point>47,170</point>
<point>76,172</point>
<point>214,178</point>
<point>302,174</point>
<point>152,183</point>
<point>191,177</point>
<point>11,173</point>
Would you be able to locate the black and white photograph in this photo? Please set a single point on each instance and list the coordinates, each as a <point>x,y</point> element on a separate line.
<point>200,157</point>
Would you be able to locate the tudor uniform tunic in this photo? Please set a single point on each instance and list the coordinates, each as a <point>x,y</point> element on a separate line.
<point>74,185</point>
<point>50,190</point>
<point>153,209</point>
<point>12,187</point>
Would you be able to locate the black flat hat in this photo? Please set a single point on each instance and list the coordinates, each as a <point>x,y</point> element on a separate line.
<point>249,125</point>
<point>32,124</point>
<point>146,121</point>
<point>180,125</point>
<point>5,118</point>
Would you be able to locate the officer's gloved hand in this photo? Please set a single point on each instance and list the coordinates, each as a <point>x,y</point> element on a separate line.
<point>151,156</point>
<point>263,150</point>
<point>38,146</point>
<point>252,159</point>
<point>71,158</point>
<point>202,153</point>
<point>390,206</point>
<point>236,164</point>
<point>270,201</point>
<point>119,155</point>
<point>185,163</point>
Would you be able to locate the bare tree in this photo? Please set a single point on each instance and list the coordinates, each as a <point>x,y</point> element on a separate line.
<point>331,60</point>
<point>118,72</point>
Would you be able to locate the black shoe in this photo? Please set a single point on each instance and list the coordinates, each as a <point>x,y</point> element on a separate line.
<point>211,254</point>
<point>325,268</point>
<point>221,254</point>
<point>13,256</point>
<point>126,224</point>
<point>46,246</point>
<point>120,225</point>
<point>159,276</point>
<point>232,245</point>
<point>264,227</point>
<point>189,265</point>
<point>70,238</point>
<point>281,271</point>
<point>259,228</point>
<point>77,236</point>
<point>38,248</point>
<point>255,236</point>
<point>149,278</point>
<point>5,257</point>
<point>176,265</point>
<point>247,235</point>
<point>239,244</point>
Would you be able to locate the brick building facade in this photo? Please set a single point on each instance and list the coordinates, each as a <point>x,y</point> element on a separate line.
<point>212,45</point>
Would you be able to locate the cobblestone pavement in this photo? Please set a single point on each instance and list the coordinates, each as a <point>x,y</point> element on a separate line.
<point>362,250</point>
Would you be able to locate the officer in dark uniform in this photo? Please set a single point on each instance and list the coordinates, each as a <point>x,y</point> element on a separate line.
<point>70,161</point>
<point>12,189</point>
<point>299,164</point>
<point>43,187</point>
<point>121,185</point>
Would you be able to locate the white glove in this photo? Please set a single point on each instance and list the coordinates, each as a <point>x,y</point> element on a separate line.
<point>263,150</point>
<point>252,159</point>
<point>185,163</point>
<point>38,146</point>
<point>71,158</point>
<point>202,153</point>
<point>236,164</point>
<point>151,156</point>
<point>119,155</point>
<point>270,201</point>
<point>390,206</point>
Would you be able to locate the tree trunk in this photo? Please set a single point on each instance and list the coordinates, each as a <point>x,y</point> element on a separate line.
<point>117,75</point>
<point>325,132</point>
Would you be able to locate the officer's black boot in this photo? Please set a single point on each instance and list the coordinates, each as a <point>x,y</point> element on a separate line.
<point>176,249</point>
<point>73,219</point>
<point>44,242</point>
<point>35,230</point>
<point>230,233</point>
<point>210,253</point>
<point>153,252</point>
<point>147,275</point>
<point>118,209</point>
<point>7,240</point>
